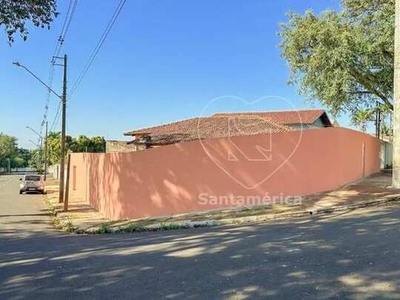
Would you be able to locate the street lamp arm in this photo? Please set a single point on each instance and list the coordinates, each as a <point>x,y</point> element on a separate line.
<point>34,131</point>
<point>37,145</point>
<point>41,81</point>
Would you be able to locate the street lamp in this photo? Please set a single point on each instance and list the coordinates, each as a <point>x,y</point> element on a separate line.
<point>35,132</point>
<point>16,63</point>
<point>63,99</point>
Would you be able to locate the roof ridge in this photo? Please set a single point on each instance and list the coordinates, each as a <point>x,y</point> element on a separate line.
<point>270,111</point>
<point>160,125</point>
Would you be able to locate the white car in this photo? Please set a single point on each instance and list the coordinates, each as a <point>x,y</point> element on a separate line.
<point>31,183</point>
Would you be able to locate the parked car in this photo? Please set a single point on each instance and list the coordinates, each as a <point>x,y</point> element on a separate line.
<point>31,183</point>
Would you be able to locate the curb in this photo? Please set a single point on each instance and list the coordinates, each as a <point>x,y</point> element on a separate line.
<point>307,213</point>
<point>64,223</point>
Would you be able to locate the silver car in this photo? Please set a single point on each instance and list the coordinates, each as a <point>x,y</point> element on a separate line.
<point>32,183</point>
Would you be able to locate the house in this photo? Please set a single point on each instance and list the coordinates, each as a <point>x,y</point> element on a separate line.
<point>228,125</point>
<point>295,119</point>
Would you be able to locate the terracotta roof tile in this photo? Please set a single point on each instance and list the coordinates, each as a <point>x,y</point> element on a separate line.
<point>227,125</point>
<point>209,127</point>
<point>284,117</point>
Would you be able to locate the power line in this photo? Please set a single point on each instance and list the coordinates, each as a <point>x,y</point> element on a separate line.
<point>65,27</point>
<point>66,17</point>
<point>98,46</point>
<point>56,118</point>
<point>48,96</point>
<point>59,43</point>
<point>60,37</point>
<point>70,18</point>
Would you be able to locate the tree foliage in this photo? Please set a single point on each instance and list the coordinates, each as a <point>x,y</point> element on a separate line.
<point>9,151</point>
<point>361,118</point>
<point>36,160</point>
<point>343,59</point>
<point>14,14</point>
<point>95,144</point>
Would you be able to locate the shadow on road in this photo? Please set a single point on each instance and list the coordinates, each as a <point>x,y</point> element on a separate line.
<point>353,255</point>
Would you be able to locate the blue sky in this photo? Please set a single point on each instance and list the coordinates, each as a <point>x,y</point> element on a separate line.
<point>163,61</point>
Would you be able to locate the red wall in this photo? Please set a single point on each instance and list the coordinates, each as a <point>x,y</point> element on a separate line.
<point>170,179</point>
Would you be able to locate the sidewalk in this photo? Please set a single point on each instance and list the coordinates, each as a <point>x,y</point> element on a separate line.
<point>372,191</point>
<point>80,215</point>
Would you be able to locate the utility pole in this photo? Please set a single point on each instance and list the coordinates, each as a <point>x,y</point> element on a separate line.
<point>46,153</point>
<point>41,160</point>
<point>63,134</point>
<point>396,96</point>
<point>63,99</point>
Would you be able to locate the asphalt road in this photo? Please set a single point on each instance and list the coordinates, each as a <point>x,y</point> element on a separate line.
<point>350,256</point>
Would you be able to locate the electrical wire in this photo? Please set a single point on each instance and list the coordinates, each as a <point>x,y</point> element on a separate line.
<point>98,47</point>
<point>59,43</point>
<point>65,28</point>
<point>56,118</point>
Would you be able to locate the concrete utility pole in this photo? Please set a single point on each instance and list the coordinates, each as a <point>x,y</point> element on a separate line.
<point>64,113</point>
<point>46,153</point>
<point>396,96</point>
<point>63,132</point>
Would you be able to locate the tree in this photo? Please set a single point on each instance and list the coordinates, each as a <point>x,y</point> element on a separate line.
<point>9,152</point>
<point>21,158</point>
<point>386,131</point>
<point>84,144</point>
<point>96,144</point>
<point>54,147</point>
<point>344,59</point>
<point>361,119</point>
<point>8,148</point>
<point>15,13</point>
<point>36,161</point>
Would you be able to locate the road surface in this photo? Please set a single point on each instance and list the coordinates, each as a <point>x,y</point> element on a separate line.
<point>350,256</point>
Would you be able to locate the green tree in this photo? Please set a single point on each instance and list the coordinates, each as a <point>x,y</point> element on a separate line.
<point>35,161</point>
<point>386,131</point>
<point>9,151</point>
<point>21,158</point>
<point>97,144</point>
<point>15,13</point>
<point>8,148</point>
<point>81,144</point>
<point>54,147</point>
<point>361,119</point>
<point>25,155</point>
<point>344,59</point>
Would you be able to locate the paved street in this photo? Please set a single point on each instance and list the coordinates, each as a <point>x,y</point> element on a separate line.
<point>349,256</point>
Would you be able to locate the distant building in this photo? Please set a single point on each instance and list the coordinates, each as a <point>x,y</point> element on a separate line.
<point>120,146</point>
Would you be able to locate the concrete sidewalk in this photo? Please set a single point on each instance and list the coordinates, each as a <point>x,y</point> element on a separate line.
<point>372,191</point>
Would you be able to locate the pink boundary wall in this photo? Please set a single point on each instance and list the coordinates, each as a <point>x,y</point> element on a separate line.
<point>171,179</point>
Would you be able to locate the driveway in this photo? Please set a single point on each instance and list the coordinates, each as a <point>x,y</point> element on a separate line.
<point>349,256</point>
